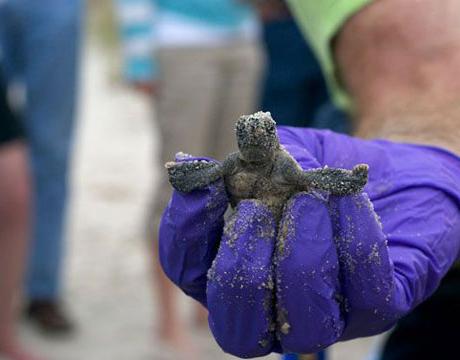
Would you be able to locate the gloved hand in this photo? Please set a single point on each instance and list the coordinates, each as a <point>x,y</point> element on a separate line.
<point>339,267</point>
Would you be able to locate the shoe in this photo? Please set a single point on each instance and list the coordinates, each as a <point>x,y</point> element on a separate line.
<point>50,317</point>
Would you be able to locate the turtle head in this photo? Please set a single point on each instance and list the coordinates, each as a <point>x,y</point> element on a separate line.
<point>257,137</point>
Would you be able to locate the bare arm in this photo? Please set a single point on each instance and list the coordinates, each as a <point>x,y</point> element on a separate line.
<point>399,60</point>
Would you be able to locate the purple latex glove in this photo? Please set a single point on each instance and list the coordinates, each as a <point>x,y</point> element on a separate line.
<point>339,275</point>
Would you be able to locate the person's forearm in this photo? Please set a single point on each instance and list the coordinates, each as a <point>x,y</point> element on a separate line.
<point>400,59</point>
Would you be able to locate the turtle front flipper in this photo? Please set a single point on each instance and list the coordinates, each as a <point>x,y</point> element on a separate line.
<point>186,176</point>
<point>339,182</point>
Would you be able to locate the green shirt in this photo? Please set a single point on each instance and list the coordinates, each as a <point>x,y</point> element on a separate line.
<point>321,20</point>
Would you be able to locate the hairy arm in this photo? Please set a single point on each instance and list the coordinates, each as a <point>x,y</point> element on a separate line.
<point>398,60</point>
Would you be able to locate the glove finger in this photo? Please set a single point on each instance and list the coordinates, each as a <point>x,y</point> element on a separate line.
<point>240,283</point>
<point>365,268</point>
<point>307,278</point>
<point>190,230</point>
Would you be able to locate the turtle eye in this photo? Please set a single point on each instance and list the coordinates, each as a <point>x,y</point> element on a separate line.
<point>270,128</point>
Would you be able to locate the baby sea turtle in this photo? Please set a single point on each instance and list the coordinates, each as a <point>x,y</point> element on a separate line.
<point>263,170</point>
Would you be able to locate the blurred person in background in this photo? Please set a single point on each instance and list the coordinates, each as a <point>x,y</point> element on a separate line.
<point>14,223</point>
<point>40,43</point>
<point>200,60</point>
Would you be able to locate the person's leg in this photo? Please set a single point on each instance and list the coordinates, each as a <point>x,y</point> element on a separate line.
<point>14,233</point>
<point>14,225</point>
<point>186,100</point>
<point>51,57</point>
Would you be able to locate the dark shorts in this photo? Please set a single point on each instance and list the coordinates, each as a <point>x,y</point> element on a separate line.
<point>294,87</point>
<point>10,126</point>
<point>432,330</point>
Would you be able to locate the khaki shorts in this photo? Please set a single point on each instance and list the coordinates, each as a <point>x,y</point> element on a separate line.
<point>203,92</point>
